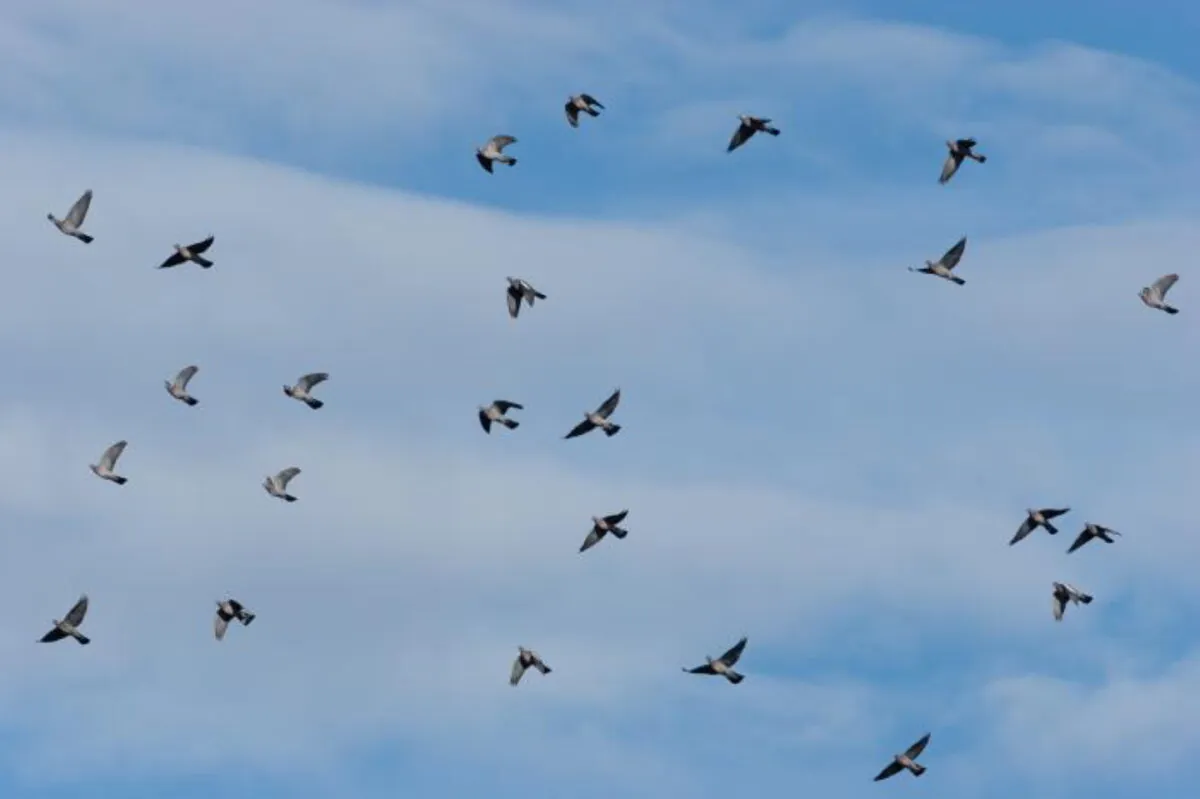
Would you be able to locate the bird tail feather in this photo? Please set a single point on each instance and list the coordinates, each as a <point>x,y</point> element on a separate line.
<point>85,238</point>
<point>511,424</point>
<point>917,769</point>
<point>120,480</point>
<point>288,498</point>
<point>191,400</point>
<point>1050,528</point>
<point>612,430</point>
<point>315,404</point>
<point>203,262</point>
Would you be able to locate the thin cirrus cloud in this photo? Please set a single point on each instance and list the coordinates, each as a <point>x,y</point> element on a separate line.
<point>820,450</point>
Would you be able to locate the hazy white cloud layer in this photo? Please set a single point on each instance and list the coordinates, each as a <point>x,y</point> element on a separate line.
<point>820,451</point>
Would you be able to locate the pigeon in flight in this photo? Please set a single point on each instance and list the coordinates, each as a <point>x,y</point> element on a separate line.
<point>724,664</point>
<point>750,125</point>
<point>1064,593</point>
<point>70,624</point>
<point>1091,531</point>
<point>70,224</point>
<point>1035,519</point>
<point>946,263</point>
<point>520,289</point>
<point>494,151</point>
<point>526,659</point>
<point>602,526</point>
<point>227,611</point>
<point>108,462</point>
<point>959,149</point>
<point>277,486</point>
<point>1155,295</point>
<point>582,102</point>
<point>495,413</point>
<point>192,252</point>
<point>908,760</point>
<point>177,388</point>
<point>303,388</point>
<point>599,418</point>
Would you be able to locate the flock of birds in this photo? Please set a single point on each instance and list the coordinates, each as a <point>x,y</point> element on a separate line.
<point>521,291</point>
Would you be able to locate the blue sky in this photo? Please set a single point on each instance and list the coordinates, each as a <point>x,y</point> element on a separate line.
<point>822,451</point>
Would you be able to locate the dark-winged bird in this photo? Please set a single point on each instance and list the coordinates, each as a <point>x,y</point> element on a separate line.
<point>192,252</point>
<point>748,127</point>
<point>227,611</point>
<point>723,665</point>
<point>944,266</point>
<point>495,413</point>
<point>1038,518</point>
<point>908,760</point>
<point>526,659</point>
<point>959,149</point>
<point>602,526</point>
<point>302,391</point>
<point>70,624</point>
<point>494,151</point>
<point>1091,531</point>
<point>599,418</point>
<point>520,289</point>
<point>1064,593</point>
<point>581,102</point>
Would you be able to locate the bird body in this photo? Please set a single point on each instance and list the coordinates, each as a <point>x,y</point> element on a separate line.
<point>602,526</point>
<point>493,151</point>
<point>191,252</point>
<point>1155,295</point>
<point>959,149</point>
<point>108,462</point>
<point>276,485</point>
<point>71,223</point>
<point>723,665</point>
<point>526,659</point>
<point>749,125</point>
<point>495,413</point>
<point>520,289</point>
<point>944,265</point>
<point>302,390</point>
<point>599,418</point>
<point>581,102</point>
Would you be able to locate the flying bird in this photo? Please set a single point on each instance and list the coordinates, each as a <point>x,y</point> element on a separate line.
<point>192,252</point>
<point>526,659</point>
<point>959,149</point>
<point>599,418</point>
<point>1064,593</point>
<point>177,388</point>
<point>494,151</point>
<point>946,263</point>
<point>1155,295</point>
<point>520,289</point>
<point>70,224</point>
<point>227,611</point>
<point>908,760</point>
<point>277,486</point>
<point>1035,519</point>
<point>1091,531</point>
<point>602,526</point>
<point>70,624</point>
<point>495,413</point>
<point>108,462</point>
<point>581,102</point>
<point>750,125</point>
<point>723,665</point>
<point>303,389</point>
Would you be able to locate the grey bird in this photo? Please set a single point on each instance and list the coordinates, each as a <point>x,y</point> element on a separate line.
<point>1035,518</point>
<point>944,266</point>
<point>108,462</point>
<point>959,149</point>
<point>494,151</point>
<point>70,624</point>
<point>526,658</point>
<point>1064,593</point>
<point>177,388</point>
<point>192,252</point>
<point>1155,295</point>
<point>277,486</point>
<point>227,611</point>
<point>495,413</point>
<point>908,760</point>
<point>581,102</point>
<point>70,224</point>
<point>1091,531</point>
<point>520,289</point>
<point>748,127</point>
<point>723,665</point>
<point>303,389</point>
<point>602,526</point>
<point>599,418</point>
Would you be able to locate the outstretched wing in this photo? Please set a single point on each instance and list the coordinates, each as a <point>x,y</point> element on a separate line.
<point>1025,529</point>
<point>307,382</point>
<point>54,635</point>
<point>949,167</point>
<point>572,114</point>
<point>504,405</point>
<point>75,615</point>
<point>200,246</point>
<point>954,254</point>
<point>518,670</point>
<point>587,98</point>
<point>740,136</point>
<point>514,303</point>
<point>285,477</point>
<point>592,538</point>
<point>891,770</point>
<point>735,652</point>
<point>609,405</point>
<point>1082,539</point>
<point>1053,513</point>
<point>914,751</point>
<point>705,669</point>
<point>617,518</point>
<point>1164,283</point>
<point>220,626</point>
<point>580,429</point>
<point>79,210</point>
<point>1060,604</point>
<point>501,141</point>
<point>184,377</point>
<point>175,260</point>
<point>109,459</point>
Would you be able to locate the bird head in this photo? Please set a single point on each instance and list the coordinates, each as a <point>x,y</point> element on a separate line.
<point>51,217</point>
<point>287,390</point>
